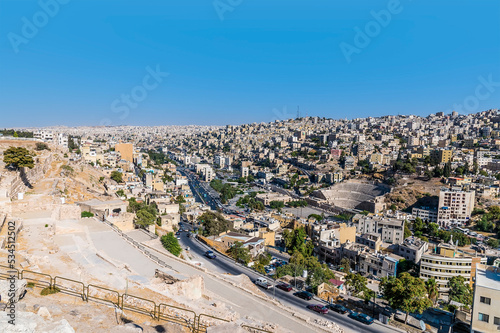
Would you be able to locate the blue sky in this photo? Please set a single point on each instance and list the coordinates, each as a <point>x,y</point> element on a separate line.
<point>256,64</point>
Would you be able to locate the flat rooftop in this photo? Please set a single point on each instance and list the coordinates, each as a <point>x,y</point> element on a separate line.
<point>488,278</point>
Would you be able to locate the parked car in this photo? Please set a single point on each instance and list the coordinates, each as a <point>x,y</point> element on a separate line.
<point>318,308</point>
<point>210,255</point>
<point>339,308</point>
<point>365,319</point>
<point>284,286</point>
<point>304,295</point>
<point>264,283</point>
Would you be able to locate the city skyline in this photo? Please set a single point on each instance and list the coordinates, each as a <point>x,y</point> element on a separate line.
<point>219,65</point>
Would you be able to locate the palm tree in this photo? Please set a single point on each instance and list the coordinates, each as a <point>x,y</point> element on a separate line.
<point>432,290</point>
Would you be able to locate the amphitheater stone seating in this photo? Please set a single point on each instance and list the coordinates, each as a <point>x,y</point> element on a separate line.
<point>350,195</point>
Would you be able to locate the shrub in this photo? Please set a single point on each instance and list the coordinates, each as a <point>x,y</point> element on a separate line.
<point>87,214</point>
<point>171,243</point>
<point>49,291</point>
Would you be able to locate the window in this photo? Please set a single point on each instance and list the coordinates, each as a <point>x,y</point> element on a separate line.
<point>483,317</point>
<point>485,300</point>
<point>496,321</point>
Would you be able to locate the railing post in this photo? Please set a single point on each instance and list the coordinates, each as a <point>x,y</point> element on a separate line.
<point>194,324</point>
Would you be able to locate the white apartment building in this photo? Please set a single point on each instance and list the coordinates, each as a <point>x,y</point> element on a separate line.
<point>44,135</point>
<point>220,161</point>
<point>425,214</point>
<point>390,230</point>
<point>446,262</point>
<point>455,206</point>
<point>62,140</point>
<point>483,161</point>
<point>244,171</point>
<point>486,301</point>
<point>209,174</point>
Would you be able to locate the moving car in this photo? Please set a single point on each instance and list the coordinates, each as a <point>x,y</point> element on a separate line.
<point>304,295</point>
<point>365,319</point>
<point>284,286</point>
<point>262,282</point>
<point>339,308</point>
<point>318,308</point>
<point>210,255</point>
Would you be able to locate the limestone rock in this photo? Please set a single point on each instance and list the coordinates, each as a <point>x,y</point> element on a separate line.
<point>44,313</point>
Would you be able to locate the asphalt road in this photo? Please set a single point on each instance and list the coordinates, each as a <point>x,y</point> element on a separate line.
<point>223,264</point>
<point>198,190</point>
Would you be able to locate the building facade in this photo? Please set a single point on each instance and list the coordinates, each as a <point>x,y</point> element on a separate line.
<point>446,262</point>
<point>486,302</point>
<point>455,206</point>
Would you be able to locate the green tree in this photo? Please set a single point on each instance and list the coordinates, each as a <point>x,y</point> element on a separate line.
<point>460,290</point>
<point>213,223</point>
<point>432,290</point>
<point>356,283</point>
<point>406,293</point>
<point>250,178</point>
<point>299,242</point>
<point>447,169</point>
<point>317,217</point>
<point>133,205</point>
<point>144,217</point>
<point>318,275</point>
<point>494,212</point>
<point>407,266</point>
<point>492,242</point>
<point>288,238</point>
<point>116,176</point>
<point>345,265</point>
<point>264,259</point>
<point>18,157</point>
<point>240,253</point>
<point>41,146</point>
<point>418,225</point>
<point>407,231</point>
<point>171,243</point>
<point>432,229</point>
<point>276,204</point>
<point>180,199</point>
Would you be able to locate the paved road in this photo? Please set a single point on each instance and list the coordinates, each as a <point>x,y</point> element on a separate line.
<point>200,193</point>
<point>223,264</point>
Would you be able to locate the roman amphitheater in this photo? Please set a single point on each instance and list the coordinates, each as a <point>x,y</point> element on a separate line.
<point>355,195</point>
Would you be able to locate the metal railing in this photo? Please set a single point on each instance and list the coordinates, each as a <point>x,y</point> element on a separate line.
<point>165,312</point>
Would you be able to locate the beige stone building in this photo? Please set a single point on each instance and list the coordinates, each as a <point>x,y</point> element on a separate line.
<point>126,151</point>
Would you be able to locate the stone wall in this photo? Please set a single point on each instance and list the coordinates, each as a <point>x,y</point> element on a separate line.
<point>29,176</point>
<point>66,212</point>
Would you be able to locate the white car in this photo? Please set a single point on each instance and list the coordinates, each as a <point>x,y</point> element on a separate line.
<point>264,283</point>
